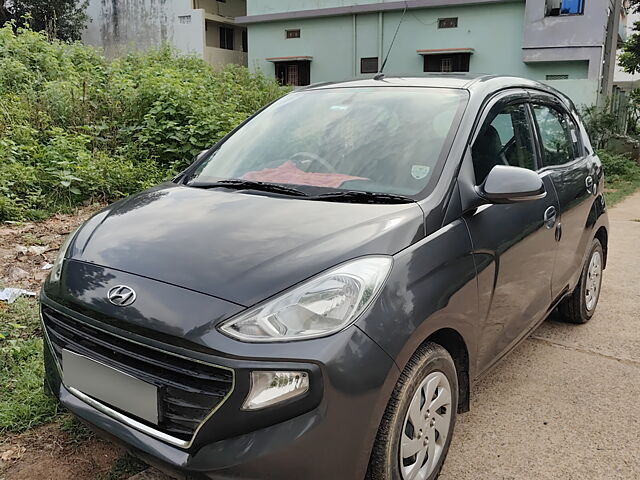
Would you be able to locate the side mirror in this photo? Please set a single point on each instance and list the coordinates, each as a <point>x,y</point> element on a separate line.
<point>506,184</point>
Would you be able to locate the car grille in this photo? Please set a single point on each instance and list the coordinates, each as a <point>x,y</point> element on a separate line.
<point>188,390</point>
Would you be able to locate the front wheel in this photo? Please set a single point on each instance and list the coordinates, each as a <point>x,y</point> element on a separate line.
<point>416,429</point>
<point>580,306</point>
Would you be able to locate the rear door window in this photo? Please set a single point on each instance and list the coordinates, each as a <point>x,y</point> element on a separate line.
<point>558,135</point>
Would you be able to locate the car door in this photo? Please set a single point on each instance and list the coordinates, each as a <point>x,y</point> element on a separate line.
<point>514,244</point>
<point>572,172</point>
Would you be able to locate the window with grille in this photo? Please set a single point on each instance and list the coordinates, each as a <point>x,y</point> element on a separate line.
<point>292,33</point>
<point>450,22</point>
<point>446,64</point>
<point>226,38</point>
<point>450,62</point>
<point>295,73</point>
<point>557,77</point>
<point>369,65</point>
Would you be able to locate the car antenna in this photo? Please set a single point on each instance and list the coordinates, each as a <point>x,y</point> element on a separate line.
<point>380,74</point>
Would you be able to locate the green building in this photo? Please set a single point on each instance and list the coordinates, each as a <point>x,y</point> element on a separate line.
<point>569,44</point>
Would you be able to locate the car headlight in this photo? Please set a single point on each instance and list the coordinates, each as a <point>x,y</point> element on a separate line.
<point>56,270</point>
<point>318,307</point>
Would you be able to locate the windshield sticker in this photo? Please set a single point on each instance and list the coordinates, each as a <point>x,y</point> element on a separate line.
<point>420,171</point>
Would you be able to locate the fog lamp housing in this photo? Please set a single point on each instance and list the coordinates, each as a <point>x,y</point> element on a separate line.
<point>271,387</point>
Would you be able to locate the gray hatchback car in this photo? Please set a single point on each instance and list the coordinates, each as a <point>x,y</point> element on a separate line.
<point>314,297</point>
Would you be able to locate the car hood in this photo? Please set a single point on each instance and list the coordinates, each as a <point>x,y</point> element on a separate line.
<point>235,245</point>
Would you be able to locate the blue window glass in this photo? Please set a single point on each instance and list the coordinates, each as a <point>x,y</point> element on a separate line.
<point>571,7</point>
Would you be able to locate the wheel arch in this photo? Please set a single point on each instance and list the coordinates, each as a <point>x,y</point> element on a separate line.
<point>603,236</point>
<point>454,343</point>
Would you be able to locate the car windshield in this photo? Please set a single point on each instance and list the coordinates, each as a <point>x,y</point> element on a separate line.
<point>382,140</point>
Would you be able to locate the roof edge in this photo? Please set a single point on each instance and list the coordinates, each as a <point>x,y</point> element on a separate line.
<point>362,8</point>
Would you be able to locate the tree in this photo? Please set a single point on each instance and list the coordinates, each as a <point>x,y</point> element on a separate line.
<point>62,19</point>
<point>629,59</point>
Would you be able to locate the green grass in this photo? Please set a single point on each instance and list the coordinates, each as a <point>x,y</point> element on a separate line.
<point>19,321</point>
<point>77,431</point>
<point>618,190</point>
<point>23,402</point>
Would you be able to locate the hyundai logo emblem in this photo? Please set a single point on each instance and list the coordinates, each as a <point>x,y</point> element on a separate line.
<point>121,295</point>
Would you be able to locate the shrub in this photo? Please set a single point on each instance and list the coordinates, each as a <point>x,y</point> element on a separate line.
<point>618,167</point>
<point>75,127</point>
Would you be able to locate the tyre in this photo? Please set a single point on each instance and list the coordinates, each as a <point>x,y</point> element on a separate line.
<point>581,304</point>
<point>416,429</point>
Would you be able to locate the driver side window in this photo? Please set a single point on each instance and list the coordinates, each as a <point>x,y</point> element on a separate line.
<point>505,139</point>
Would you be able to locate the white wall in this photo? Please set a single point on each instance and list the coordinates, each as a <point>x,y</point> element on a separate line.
<point>120,26</point>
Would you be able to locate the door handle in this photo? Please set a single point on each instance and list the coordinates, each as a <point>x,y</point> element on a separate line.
<point>590,185</point>
<point>550,217</point>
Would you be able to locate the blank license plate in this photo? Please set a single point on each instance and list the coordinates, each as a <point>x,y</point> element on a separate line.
<point>110,386</point>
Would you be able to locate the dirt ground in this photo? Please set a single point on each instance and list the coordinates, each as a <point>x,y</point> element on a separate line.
<point>25,248</point>
<point>48,453</point>
<point>45,452</point>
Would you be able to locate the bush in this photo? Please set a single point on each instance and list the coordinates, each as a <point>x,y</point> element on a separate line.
<point>618,167</point>
<point>76,128</point>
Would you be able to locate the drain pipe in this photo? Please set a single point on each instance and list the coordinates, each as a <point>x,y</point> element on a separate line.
<point>355,45</point>
<point>380,36</point>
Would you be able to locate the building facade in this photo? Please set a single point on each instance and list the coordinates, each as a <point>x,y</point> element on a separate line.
<point>569,44</point>
<point>205,28</point>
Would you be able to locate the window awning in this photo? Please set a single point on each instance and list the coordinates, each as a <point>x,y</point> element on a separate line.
<point>289,59</point>
<point>444,51</point>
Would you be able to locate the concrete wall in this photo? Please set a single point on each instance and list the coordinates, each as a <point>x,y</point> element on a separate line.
<point>591,37</point>
<point>330,45</point>
<point>120,26</point>
<point>218,57</point>
<point>583,92</point>
<point>588,29</point>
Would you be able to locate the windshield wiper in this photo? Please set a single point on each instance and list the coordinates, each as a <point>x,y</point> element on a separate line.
<point>250,185</point>
<point>362,197</point>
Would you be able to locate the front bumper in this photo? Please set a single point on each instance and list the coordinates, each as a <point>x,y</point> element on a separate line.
<point>326,434</point>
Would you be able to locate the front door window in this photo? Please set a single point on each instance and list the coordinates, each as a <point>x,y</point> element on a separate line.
<point>505,140</point>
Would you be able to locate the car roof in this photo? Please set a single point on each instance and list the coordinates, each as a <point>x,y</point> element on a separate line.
<point>481,84</point>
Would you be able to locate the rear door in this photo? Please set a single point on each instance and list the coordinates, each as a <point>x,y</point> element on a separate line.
<point>514,244</point>
<point>572,171</point>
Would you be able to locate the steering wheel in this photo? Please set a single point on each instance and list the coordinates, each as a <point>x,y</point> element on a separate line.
<point>315,158</point>
<point>503,150</point>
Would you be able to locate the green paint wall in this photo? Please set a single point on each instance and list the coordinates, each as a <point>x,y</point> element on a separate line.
<point>494,31</point>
